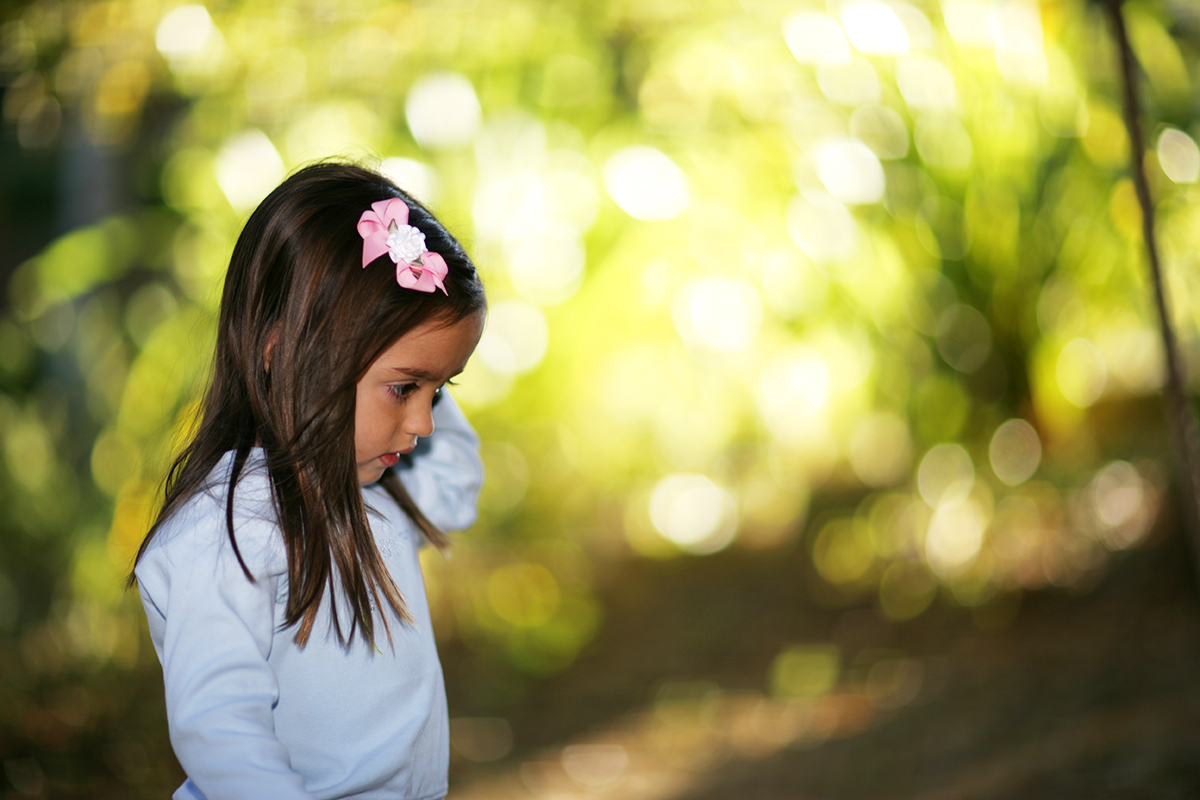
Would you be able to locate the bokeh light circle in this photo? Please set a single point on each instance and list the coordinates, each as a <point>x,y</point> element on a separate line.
<point>442,110</point>
<point>954,537</point>
<point>849,83</point>
<point>1082,372</point>
<point>1178,156</point>
<point>823,228</point>
<point>548,268</point>
<point>718,313</point>
<point>946,475</point>
<point>184,31</point>
<point>1117,492</point>
<point>646,183</point>
<point>850,171</point>
<point>1015,452</point>
<point>415,177</point>
<point>815,38</point>
<point>964,338</point>
<point>248,168</point>
<point>515,339</point>
<point>793,390</point>
<point>693,512</point>
<point>874,28</point>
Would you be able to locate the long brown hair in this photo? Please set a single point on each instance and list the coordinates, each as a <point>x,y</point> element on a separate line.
<point>296,286</point>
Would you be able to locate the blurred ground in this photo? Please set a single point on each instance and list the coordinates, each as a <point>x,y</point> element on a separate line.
<point>1072,694</point>
<point>1093,694</point>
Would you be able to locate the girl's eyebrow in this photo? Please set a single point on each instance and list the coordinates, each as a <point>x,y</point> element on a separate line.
<point>414,372</point>
<point>420,374</point>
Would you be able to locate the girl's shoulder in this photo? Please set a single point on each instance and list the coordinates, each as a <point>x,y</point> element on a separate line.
<point>199,528</point>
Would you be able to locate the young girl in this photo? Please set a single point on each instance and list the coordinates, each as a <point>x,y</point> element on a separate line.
<point>280,579</point>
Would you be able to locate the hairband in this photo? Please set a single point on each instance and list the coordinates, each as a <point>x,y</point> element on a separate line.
<point>385,229</point>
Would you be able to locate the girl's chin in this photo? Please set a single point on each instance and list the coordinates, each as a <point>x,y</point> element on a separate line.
<point>369,475</point>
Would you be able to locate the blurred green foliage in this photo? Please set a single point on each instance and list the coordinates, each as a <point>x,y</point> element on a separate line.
<point>880,261</point>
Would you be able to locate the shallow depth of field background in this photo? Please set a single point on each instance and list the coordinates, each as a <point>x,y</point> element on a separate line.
<point>854,285</point>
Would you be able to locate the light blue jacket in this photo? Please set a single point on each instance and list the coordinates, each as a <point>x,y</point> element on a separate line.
<point>252,715</point>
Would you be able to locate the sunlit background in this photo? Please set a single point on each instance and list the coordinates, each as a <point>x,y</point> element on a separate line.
<point>858,280</point>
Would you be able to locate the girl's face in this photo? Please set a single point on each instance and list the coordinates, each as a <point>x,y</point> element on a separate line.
<point>394,399</point>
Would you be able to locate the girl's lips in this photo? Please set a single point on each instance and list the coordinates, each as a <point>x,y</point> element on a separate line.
<point>391,459</point>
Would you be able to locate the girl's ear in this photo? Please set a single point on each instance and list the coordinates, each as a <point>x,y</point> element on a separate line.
<point>272,337</point>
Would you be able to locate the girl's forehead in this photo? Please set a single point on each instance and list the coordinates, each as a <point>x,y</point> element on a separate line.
<point>432,350</point>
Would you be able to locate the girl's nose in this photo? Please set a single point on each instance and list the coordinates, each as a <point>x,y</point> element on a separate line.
<point>419,422</point>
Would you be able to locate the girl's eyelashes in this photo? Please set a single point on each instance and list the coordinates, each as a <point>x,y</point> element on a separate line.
<point>437,393</point>
<point>403,390</point>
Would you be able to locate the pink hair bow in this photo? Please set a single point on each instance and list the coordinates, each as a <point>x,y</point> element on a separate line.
<point>385,230</point>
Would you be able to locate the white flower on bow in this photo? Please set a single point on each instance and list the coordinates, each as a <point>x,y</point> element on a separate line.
<point>405,243</point>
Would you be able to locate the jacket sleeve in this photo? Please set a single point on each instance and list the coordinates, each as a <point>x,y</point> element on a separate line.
<point>446,472</point>
<point>213,630</point>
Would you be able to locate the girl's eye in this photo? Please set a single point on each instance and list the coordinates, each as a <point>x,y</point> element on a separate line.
<point>437,393</point>
<point>403,390</point>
